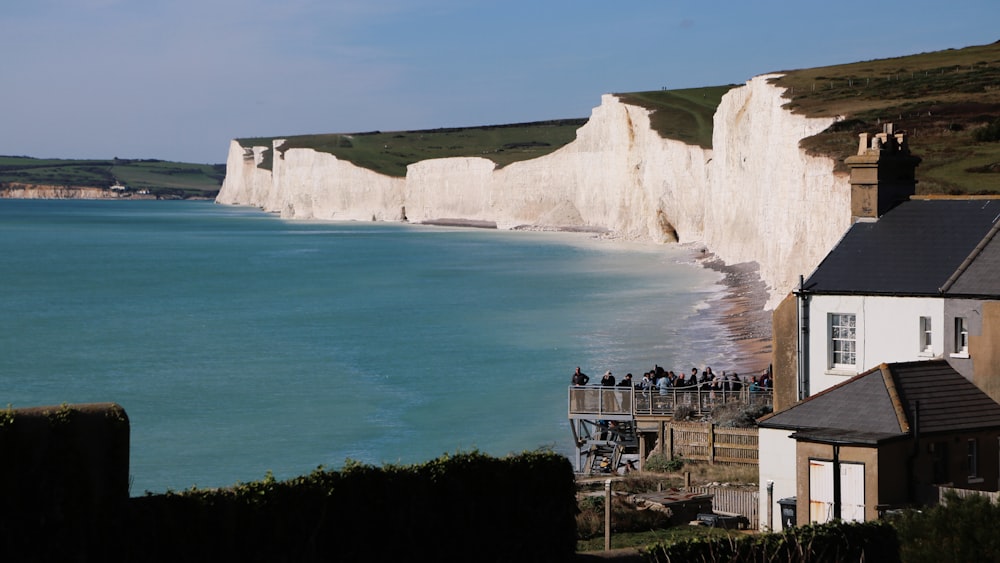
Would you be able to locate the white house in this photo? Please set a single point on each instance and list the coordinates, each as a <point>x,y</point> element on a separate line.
<point>913,279</point>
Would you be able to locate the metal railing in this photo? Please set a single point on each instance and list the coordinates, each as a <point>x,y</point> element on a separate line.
<point>598,401</point>
<point>624,402</point>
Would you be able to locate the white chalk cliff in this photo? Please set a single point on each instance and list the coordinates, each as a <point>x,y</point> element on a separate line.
<point>754,197</point>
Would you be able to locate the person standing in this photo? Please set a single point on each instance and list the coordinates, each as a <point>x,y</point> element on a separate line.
<point>646,382</point>
<point>664,384</point>
<point>608,380</point>
<point>625,396</point>
<point>608,399</point>
<point>578,396</point>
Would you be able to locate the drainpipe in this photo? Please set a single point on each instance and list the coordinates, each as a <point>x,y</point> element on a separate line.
<point>803,341</point>
<point>770,504</point>
<point>836,482</point>
<point>915,450</point>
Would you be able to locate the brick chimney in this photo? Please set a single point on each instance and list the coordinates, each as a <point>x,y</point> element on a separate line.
<point>882,173</point>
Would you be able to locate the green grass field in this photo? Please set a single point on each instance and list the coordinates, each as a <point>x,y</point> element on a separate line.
<point>683,115</point>
<point>390,152</point>
<point>164,179</point>
<point>940,99</point>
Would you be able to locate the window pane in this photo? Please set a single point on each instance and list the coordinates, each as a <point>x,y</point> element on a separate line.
<point>843,332</point>
<point>961,335</point>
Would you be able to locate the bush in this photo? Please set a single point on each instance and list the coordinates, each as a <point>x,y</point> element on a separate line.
<point>735,415</point>
<point>832,542</point>
<point>660,464</point>
<point>959,529</point>
<point>644,482</point>
<point>683,412</point>
<point>345,515</point>
<point>625,517</point>
<point>988,134</point>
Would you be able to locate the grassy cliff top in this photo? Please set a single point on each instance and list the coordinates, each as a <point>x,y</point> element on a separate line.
<point>684,115</point>
<point>943,100</point>
<point>163,178</point>
<point>390,152</point>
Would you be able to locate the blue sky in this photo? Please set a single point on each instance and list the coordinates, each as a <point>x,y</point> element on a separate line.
<point>178,79</point>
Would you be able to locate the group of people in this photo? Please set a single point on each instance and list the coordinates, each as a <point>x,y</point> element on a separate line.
<point>662,380</point>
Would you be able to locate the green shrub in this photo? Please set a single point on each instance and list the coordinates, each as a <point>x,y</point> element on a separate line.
<point>683,412</point>
<point>833,542</point>
<point>363,512</point>
<point>625,517</point>
<point>988,134</point>
<point>660,464</point>
<point>736,415</point>
<point>959,529</point>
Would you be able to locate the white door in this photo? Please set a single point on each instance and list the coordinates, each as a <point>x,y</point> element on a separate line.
<point>821,493</point>
<point>852,492</point>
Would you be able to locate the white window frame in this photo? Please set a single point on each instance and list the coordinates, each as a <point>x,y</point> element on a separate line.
<point>973,459</point>
<point>843,340</point>
<point>926,336</point>
<point>961,344</point>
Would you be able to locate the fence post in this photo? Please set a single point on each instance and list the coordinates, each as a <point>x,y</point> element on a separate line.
<point>642,451</point>
<point>711,443</point>
<point>661,441</point>
<point>607,515</point>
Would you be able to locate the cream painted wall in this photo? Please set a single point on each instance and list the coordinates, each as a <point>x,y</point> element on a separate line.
<point>776,463</point>
<point>888,330</point>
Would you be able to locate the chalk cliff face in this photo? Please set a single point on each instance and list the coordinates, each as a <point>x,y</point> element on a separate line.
<point>755,197</point>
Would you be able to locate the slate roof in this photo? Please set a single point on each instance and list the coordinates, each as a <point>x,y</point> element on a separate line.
<point>883,404</point>
<point>918,248</point>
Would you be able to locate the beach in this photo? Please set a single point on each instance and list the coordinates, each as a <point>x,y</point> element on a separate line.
<point>740,309</point>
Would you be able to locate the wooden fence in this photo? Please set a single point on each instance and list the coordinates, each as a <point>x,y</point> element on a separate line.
<point>698,441</point>
<point>963,493</point>
<point>742,501</point>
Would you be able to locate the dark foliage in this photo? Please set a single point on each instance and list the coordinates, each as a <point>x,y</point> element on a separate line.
<point>960,529</point>
<point>833,542</point>
<point>456,508</point>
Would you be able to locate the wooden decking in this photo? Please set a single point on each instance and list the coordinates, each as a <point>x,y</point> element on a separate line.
<point>614,427</point>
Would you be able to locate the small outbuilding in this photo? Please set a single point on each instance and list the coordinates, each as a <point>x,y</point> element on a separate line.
<point>885,439</point>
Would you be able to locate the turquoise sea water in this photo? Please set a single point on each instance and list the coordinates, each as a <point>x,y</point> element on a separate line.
<point>239,343</point>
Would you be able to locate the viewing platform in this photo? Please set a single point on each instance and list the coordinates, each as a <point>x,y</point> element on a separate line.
<point>613,425</point>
